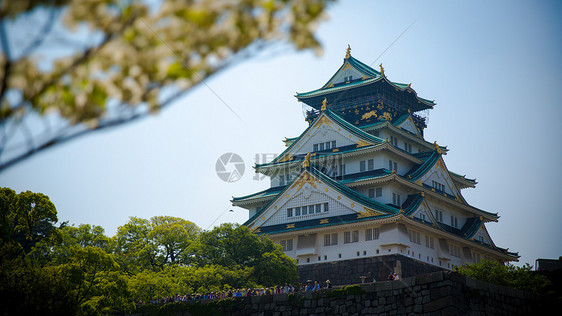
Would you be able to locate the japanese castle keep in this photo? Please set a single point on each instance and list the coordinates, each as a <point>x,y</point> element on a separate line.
<point>360,193</point>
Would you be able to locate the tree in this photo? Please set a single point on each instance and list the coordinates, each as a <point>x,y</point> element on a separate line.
<point>162,241</point>
<point>493,271</point>
<point>139,57</point>
<point>231,245</point>
<point>27,219</point>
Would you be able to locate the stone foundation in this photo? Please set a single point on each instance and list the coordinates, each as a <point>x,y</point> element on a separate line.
<point>347,272</point>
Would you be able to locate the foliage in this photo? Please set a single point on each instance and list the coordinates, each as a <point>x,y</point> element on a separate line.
<point>27,218</point>
<point>137,57</point>
<point>154,244</point>
<point>345,291</point>
<point>50,270</point>
<point>230,245</point>
<point>509,275</point>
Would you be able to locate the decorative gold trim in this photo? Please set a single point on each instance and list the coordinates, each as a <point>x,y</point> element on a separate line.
<point>286,158</point>
<point>304,179</point>
<point>306,162</point>
<point>290,226</point>
<point>382,70</point>
<point>324,221</point>
<point>348,52</point>
<point>368,115</point>
<point>323,120</point>
<point>324,104</point>
<point>362,143</point>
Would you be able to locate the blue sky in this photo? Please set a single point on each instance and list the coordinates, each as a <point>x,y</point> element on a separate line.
<point>493,68</point>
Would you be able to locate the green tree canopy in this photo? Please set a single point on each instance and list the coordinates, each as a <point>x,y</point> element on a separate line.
<point>27,218</point>
<point>231,245</point>
<point>509,275</point>
<point>154,243</point>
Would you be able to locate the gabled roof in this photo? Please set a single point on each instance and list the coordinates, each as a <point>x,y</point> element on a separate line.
<point>370,76</point>
<point>340,188</point>
<point>258,195</point>
<point>330,116</point>
<point>429,159</point>
<point>368,72</point>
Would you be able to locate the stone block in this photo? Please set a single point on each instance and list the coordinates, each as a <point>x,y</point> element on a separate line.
<point>439,292</point>
<point>438,304</point>
<point>283,297</point>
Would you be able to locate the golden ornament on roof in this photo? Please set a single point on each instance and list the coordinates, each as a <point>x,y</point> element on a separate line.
<point>324,104</point>
<point>348,52</point>
<point>306,162</point>
<point>382,69</point>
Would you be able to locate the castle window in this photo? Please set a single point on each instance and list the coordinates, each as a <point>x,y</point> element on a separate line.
<point>333,144</point>
<point>454,221</point>
<point>455,251</point>
<point>290,212</point>
<point>315,147</point>
<point>321,146</point>
<point>362,166</point>
<point>372,233</point>
<point>325,207</point>
<point>439,216</point>
<point>370,164</point>
<point>328,144</point>
<point>350,237</point>
<point>438,186</point>
<point>394,140</point>
<point>429,242</point>
<point>392,165</point>
<point>415,237</point>
<point>408,147</point>
<point>297,211</point>
<point>318,208</point>
<point>331,239</point>
<point>396,200</point>
<point>287,245</point>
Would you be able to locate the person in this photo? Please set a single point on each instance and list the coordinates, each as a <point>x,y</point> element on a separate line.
<point>328,285</point>
<point>316,286</point>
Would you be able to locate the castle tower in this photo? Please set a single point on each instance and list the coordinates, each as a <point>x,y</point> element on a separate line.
<point>361,193</point>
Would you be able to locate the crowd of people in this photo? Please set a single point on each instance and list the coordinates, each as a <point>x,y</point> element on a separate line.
<point>287,288</point>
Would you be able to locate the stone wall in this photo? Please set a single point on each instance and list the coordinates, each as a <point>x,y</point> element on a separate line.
<point>438,293</point>
<point>350,271</point>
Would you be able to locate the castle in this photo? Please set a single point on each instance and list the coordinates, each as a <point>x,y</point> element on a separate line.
<point>361,191</point>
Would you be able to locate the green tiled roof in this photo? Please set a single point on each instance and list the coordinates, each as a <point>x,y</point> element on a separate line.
<point>372,76</point>
<point>342,122</point>
<point>268,192</point>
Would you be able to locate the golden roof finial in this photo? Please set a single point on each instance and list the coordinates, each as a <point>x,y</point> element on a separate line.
<point>382,69</point>
<point>348,52</point>
<point>324,104</point>
<point>435,144</point>
<point>306,162</point>
<point>410,85</point>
